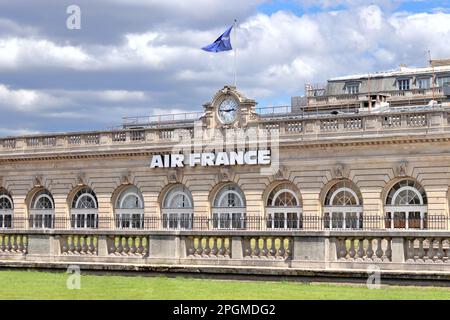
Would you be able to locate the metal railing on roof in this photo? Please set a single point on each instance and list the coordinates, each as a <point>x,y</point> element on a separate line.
<point>160,120</point>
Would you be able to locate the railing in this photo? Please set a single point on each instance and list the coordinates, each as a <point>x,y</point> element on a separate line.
<point>302,223</point>
<point>160,120</point>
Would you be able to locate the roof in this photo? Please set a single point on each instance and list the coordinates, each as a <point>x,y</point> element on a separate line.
<point>401,71</point>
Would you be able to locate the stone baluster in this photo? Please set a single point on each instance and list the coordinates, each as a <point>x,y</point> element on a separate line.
<point>352,251</point>
<point>92,249</point>
<point>369,251</point>
<point>119,247</point>
<point>70,245</point>
<point>227,246</point>
<point>134,242</point>
<point>265,250</point>
<point>342,249</point>
<point>281,250</point>
<point>126,245</point>
<point>214,249</point>
<point>8,243</point>
<point>421,251</point>
<point>13,243</point>
<point>439,257</point>
<point>84,244</point>
<point>360,251</point>
<point>2,245</point>
<point>430,252</point>
<point>141,248</point>
<point>387,256</point>
<point>207,247</point>
<point>220,247</point>
<point>273,247</point>
<point>25,244</point>
<point>379,251</point>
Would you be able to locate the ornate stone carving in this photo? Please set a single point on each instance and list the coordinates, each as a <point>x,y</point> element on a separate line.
<point>81,178</point>
<point>281,174</point>
<point>402,168</point>
<point>340,170</point>
<point>174,176</point>
<point>126,178</point>
<point>37,181</point>
<point>225,174</point>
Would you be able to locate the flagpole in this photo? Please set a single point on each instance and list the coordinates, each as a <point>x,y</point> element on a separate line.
<point>234,31</point>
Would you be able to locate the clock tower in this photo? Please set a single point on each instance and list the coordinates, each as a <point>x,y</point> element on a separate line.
<point>229,108</point>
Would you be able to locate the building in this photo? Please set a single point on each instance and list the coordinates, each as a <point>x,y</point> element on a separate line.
<point>341,183</point>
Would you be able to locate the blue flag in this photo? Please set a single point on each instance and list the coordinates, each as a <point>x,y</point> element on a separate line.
<point>222,43</point>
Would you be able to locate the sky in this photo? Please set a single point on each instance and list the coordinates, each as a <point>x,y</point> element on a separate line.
<point>143,57</point>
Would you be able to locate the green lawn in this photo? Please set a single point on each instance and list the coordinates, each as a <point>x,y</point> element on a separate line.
<point>52,285</point>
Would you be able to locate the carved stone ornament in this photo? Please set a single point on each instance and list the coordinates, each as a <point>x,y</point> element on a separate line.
<point>340,171</point>
<point>174,176</point>
<point>225,174</point>
<point>126,178</point>
<point>37,181</point>
<point>402,169</point>
<point>281,174</point>
<point>81,179</point>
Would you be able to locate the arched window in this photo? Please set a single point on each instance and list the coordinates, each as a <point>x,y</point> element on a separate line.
<point>84,210</point>
<point>406,205</point>
<point>178,208</point>
<point>42,210</point>
<point>283,208</point>
<point>343,206</point>
<point>6,209</point>
<point>129,208</point>
<point>229,208</point>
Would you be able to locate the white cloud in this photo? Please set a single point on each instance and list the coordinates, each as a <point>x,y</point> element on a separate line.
<point>277,55</point>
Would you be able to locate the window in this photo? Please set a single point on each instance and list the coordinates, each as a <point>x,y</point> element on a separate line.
<point>42,210</point>
<point>403,84</point>
<point>229,208</point>
<point>129,209</point>
<point>424,83</point>
<point>443,81</point>
<point>352,88</point>
<point>343,206</point>
<point>283,210</point>
<point>178,209</point>
<point>84,212</point>
<point>6,209</point>
<point>406,206</point>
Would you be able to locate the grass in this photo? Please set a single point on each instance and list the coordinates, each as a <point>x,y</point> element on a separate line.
<point>52,285</point>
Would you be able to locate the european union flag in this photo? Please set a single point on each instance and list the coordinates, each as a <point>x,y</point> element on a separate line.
<point>222,43</point>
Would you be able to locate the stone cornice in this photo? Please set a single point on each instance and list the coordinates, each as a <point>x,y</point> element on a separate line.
<point>294,141</point>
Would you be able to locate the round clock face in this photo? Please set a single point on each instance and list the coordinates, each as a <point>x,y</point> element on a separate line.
<point>227,111</point>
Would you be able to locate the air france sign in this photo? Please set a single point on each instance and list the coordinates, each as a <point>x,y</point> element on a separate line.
<point>210,159</point>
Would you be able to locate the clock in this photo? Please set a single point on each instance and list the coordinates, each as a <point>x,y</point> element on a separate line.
<point>227,111</point>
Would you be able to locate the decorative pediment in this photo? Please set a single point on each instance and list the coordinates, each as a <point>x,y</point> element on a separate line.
<point>340,171</point>
<point>37,181</point>
<point>402,169</point>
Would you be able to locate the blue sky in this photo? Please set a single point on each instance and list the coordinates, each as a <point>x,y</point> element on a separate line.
<point>143,57</point>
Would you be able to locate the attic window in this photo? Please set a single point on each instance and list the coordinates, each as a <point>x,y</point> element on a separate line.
<point>403,84</point>
<point>352,88</point>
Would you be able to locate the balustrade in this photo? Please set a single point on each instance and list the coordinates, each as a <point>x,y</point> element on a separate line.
<point>128,245</point>
<point>208,247</point>
<point>79,245</point>
<point>13,243</point>
<point>428,250</point>
<point>359,249</point>
<point>268,247</point>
